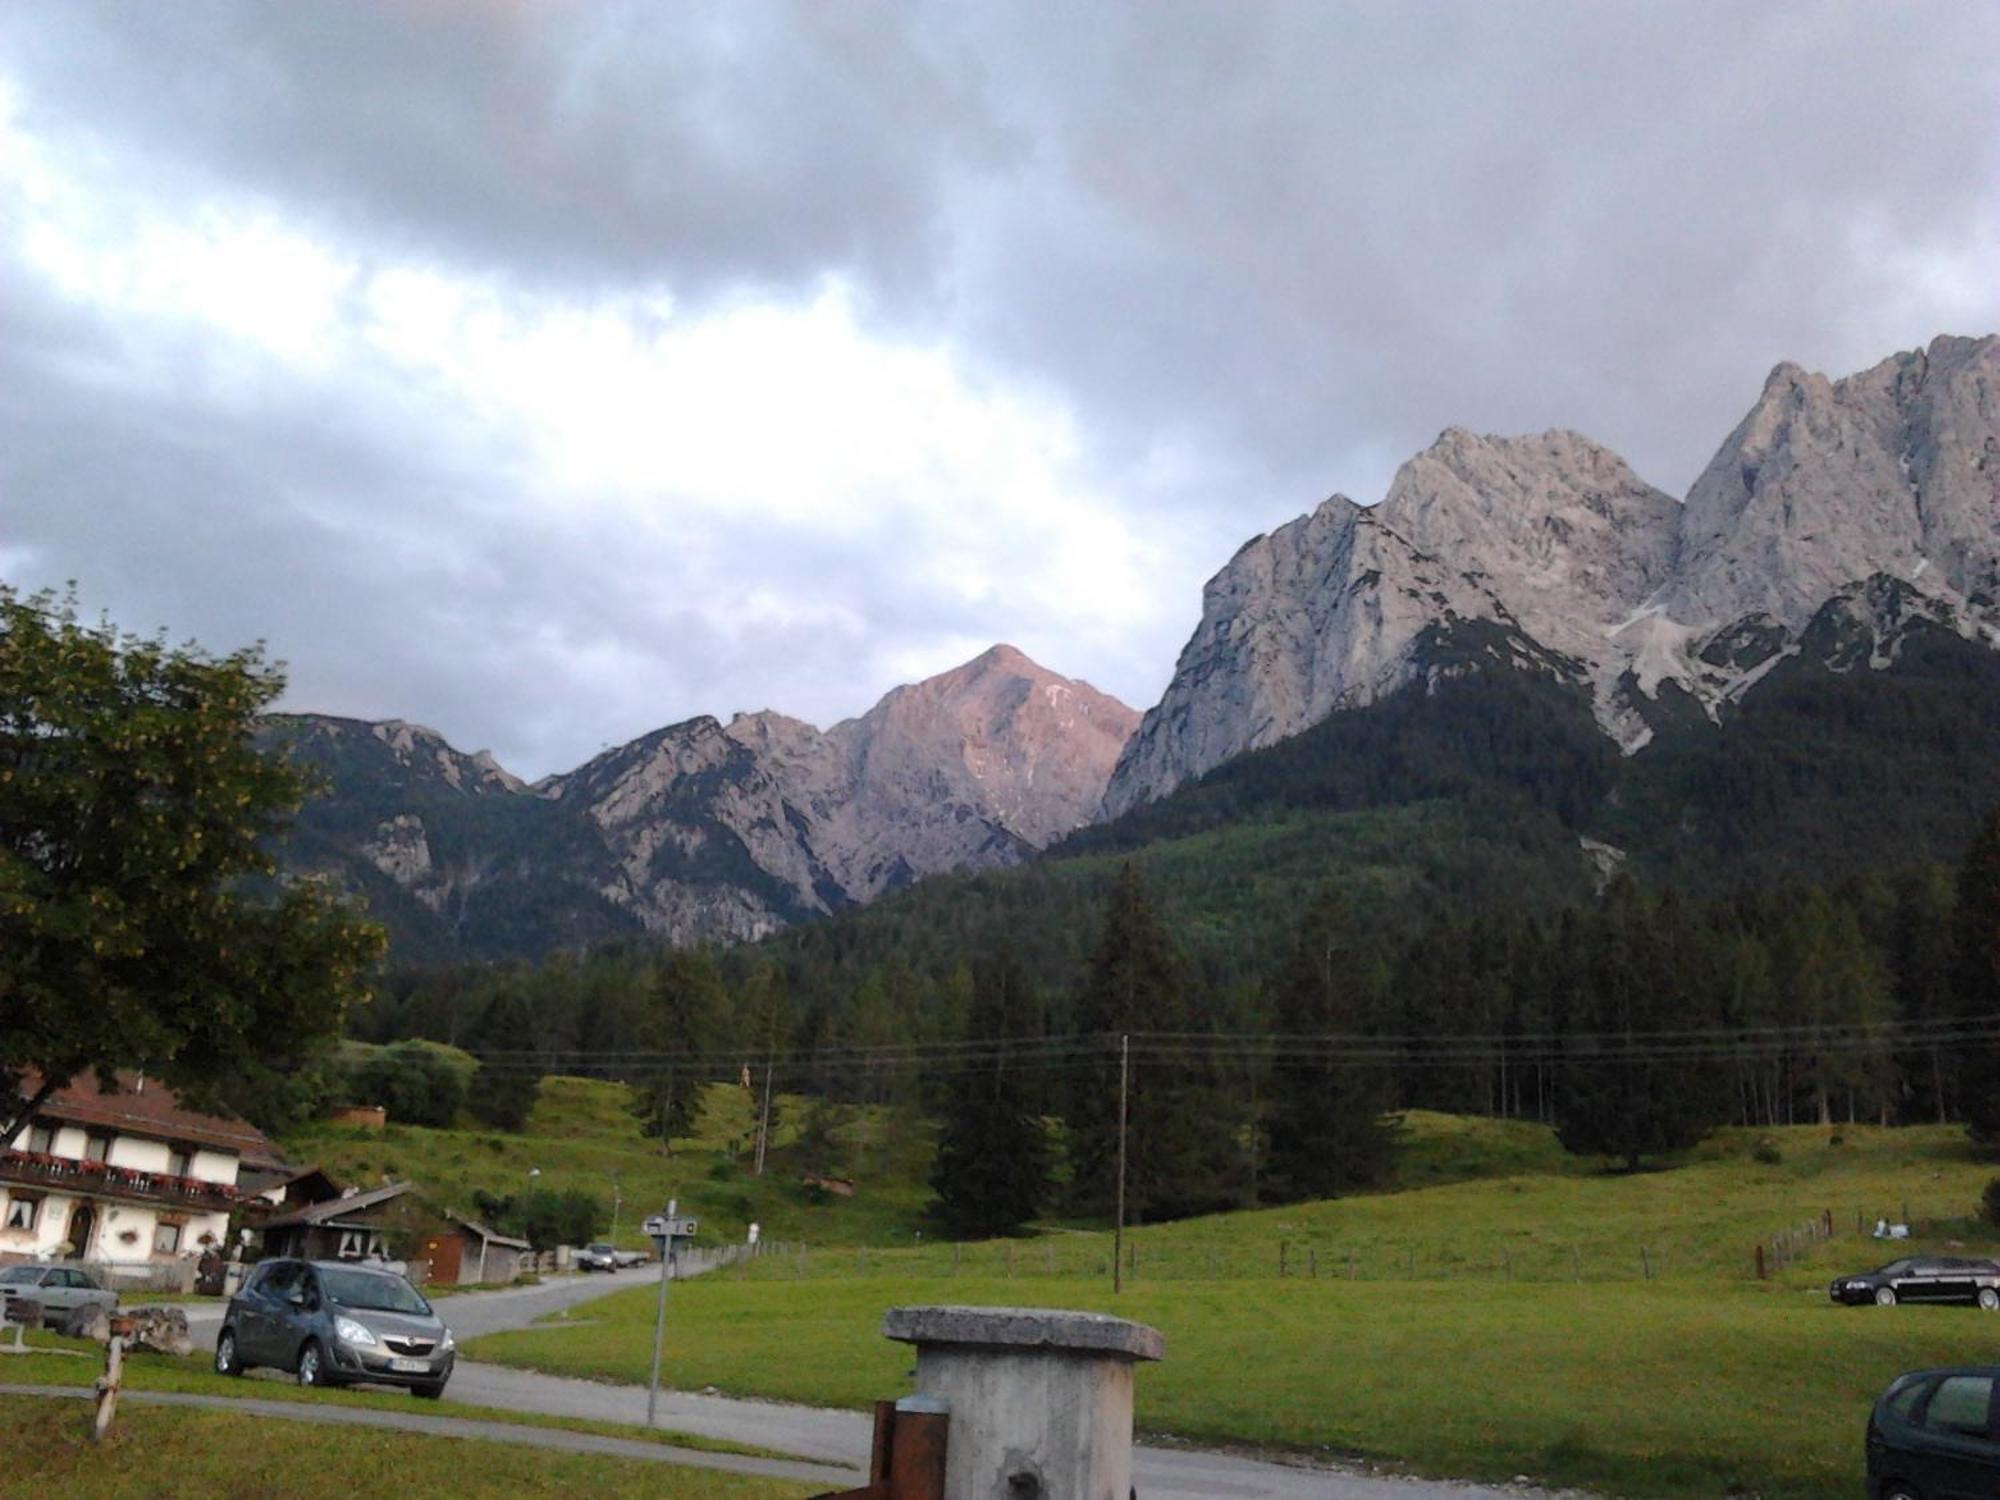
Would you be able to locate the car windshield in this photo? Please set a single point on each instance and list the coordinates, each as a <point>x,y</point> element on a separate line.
<point>17,1275</point>
<point>376,1291</point>
<point>600,1249</point>
<point>1895,1268</point>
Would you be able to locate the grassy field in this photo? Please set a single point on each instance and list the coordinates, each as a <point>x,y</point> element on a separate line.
<point>154,1453</point>
<point>581,1136</point>
<point>1496,1326</point>
<point>74,1362</point>
<point>1671,1390</point>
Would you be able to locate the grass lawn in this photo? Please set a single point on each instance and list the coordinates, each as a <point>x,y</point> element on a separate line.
<point>1494,1326</point>
<point>154,1452</point>
<point>1660,1389</point>
<point>192,1376</point>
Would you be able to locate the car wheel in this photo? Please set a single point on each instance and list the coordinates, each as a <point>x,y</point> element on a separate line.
<point>428,1392</point>
<point>226,1360</point>
<point>1885,1296</point>
<point>1896,1489</point>
<point>312,1364</point>
<point>1989,1299</point>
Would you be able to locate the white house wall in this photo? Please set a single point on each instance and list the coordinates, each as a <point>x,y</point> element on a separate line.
<point>114,1222</point>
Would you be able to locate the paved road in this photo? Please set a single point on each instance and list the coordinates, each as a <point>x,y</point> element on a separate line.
<point>830,1438</point>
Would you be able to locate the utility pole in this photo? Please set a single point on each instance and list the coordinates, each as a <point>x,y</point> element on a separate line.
<point>1124,1091</point>
<point>764,1117</point>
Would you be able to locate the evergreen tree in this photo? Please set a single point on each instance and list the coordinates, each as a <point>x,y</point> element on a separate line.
<point>1325,1132</point>
<point>1832,986</point>
<point>1920,965</point>
<point>1976,964</point>
<point>503,1092</point>
<point>687,1001</point>
<point>1180,1155</point>
<point>991,1174</point>
<point>1629,979</point>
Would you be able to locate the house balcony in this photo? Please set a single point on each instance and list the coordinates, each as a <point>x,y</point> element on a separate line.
<point>102,1180</point>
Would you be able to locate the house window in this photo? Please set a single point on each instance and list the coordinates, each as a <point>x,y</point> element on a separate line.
<point>22,1212</point>
<point>166,1239</point>
<point>96,1147</point>
<point>179,1164</point>
<point>42,1139</point>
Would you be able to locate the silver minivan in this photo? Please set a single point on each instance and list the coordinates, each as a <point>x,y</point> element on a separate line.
<point>334,1323</point>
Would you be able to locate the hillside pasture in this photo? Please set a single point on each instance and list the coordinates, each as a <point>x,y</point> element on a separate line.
<point>1491,1327</point>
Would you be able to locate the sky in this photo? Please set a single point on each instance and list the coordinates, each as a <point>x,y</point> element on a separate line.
<point>546,373</point>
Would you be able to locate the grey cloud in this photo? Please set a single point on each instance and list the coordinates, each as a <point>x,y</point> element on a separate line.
<point>1289,241</point>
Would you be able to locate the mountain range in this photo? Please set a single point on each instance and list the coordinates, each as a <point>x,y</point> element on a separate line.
<point>703,830</point>
<point>1843,545</point>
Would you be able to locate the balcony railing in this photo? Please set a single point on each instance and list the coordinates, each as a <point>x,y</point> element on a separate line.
<point>69,1174</point>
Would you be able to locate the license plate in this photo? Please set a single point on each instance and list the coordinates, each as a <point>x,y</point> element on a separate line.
<point>410,1366</point>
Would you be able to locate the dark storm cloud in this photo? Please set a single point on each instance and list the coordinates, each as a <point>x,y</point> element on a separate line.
<point>1259,252</point>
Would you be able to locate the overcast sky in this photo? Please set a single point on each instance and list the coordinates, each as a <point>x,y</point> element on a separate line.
<point>547,373</point>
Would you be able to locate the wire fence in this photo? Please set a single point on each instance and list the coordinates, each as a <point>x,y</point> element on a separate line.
<point>1529,1257</point>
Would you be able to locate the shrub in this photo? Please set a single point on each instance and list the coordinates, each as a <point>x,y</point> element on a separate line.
<point>1989,1202</point>
<point>1767,1152</point>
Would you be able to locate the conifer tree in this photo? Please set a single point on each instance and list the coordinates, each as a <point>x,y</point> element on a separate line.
<point>1325,1131</point>
<point>1180,1132</point>
<point>687,1002</point>
<point>503,1092</point>
<point>1629,979</point>
<point>991,1174</point>
<point>1976,963</point>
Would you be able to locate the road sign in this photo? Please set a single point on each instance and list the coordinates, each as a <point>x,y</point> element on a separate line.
<point>661,1227</point>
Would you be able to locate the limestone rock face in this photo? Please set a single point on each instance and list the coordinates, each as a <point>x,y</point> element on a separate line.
<point>974,768</point>
<point>702,830</point>
<point>1893,473</point>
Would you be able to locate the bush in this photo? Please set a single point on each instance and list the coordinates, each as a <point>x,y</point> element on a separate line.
<point>725,1171</point>
<point>1989,1202</point>
<point>1767,1152</point>
<point>415,1083</point>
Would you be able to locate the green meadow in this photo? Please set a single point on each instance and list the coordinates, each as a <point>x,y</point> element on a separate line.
<point>1499,1325</point>
<point>154,1452</point>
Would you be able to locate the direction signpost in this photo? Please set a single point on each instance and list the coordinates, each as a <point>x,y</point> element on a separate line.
<point>668,1230</point>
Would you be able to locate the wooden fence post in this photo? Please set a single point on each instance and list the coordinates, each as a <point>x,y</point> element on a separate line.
<point>1761,1275</point>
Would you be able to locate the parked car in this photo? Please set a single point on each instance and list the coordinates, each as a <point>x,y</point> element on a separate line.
<point>59,1289</point>
<point>1932,1437</point>
<point>1923,1278</point>
<point>597,1258</point>
<point>630,1258</point>
<point>331,1323</point>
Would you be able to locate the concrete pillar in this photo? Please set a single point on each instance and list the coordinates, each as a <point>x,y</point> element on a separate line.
<point>1040,1400</point>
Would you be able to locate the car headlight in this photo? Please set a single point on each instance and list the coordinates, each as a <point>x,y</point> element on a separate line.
<point>447,1343</point>
<point>351,1332</point>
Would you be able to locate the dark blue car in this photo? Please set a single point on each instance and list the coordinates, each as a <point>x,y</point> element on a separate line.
<point>1932,1436</point>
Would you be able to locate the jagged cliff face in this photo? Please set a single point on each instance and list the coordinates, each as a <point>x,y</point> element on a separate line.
<point>1893,473</point>
<point>703,830</point>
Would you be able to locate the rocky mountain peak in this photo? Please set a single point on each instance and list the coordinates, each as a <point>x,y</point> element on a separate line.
<point>1552,539</point>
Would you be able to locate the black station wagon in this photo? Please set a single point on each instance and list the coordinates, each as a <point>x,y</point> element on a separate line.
<point>1923,1278</point>
<point>1932,1436</point>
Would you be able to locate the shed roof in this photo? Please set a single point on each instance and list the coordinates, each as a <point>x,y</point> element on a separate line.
<point>335,1209</point>
<point>486,1234</point>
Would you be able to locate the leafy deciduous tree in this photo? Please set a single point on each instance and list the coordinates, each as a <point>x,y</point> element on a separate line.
<point>136,817</point>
